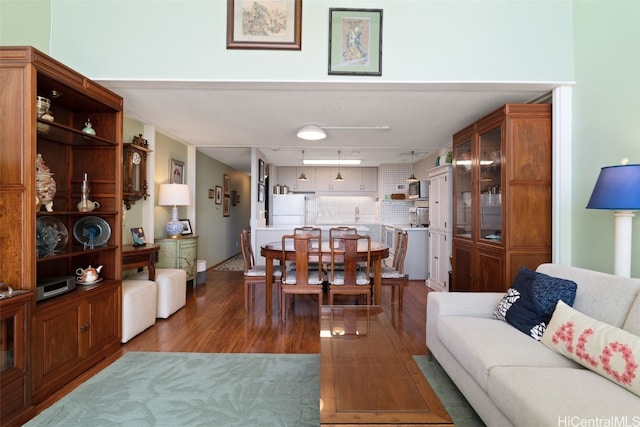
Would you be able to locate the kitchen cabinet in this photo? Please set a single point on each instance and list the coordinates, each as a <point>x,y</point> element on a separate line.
<point>501,197</point>
<point>440,220</point>
<point>15,337</point>
<point>361,179</point>
<point>325,180</point>
<point>80,134</point>
<point>288,175</point>
<point>179,253</point>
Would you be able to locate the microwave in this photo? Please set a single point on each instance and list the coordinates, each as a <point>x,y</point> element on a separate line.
<point>419,190</point>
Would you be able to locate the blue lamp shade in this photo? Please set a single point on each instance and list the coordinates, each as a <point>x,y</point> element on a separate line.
<point>617,188</point>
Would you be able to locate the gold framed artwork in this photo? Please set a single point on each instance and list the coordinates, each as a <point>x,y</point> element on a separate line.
<point>225,205</point>
<point>226,181</point>
<point>355,42</point>
<point>264,24</point>
<point>176,172</point>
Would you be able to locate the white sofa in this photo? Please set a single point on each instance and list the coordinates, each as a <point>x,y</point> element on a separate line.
<point>511,379</point>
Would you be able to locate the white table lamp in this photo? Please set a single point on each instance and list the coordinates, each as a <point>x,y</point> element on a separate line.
<point>174,195</point>
<point>618,189</point>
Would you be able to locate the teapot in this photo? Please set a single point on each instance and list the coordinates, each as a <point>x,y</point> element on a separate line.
<point>88,275</point>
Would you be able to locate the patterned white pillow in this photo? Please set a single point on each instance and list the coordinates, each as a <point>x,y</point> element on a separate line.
<point>609,351</point>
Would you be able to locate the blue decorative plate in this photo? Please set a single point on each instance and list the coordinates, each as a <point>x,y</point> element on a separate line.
<point>92,231</point>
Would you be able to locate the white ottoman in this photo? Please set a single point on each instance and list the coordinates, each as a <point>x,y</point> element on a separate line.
<point>172,289</point>
<point>138,307</point>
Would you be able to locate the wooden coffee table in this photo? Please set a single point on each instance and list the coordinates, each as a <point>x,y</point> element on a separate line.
<point>367,377</point>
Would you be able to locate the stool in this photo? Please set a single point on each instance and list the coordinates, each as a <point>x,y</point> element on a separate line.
<point>172,289</point>
<point>138,307</point>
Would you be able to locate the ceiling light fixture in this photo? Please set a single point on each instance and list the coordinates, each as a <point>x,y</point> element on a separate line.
<point>412,177</point>
<point>302,176</point>
<point>332,162</point>
<point>316,133</point>
<point>339,176</point>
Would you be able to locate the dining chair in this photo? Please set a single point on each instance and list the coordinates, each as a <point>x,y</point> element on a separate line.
<point>306,279</point>
<point>345,276</point>
<point>313,231</point>
<point>254,274</point>
<point>394,276</point>
<point>341,230</point>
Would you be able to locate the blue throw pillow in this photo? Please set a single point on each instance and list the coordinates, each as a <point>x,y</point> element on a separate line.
<point>528,305</point>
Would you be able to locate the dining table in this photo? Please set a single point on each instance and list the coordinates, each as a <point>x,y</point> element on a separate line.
<point>273,252</point>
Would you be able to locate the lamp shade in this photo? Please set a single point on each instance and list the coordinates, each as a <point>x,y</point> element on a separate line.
<point>617,188</point>
<point>174,195</point>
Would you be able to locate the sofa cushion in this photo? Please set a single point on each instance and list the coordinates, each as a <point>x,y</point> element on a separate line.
<point>605,349</point>
<point>533,397</point>
<point>529,303</point>
<point>632,323</point>
<point>600,295</point>
<point>479,345</point>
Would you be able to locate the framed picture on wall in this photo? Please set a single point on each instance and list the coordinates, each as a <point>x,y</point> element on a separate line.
<point>261,192</point>
<point>218,195</point>
<point>355,42</point>
<point>176,172</point>
<point>274,24</point>
<point>226,181</point>
<point>225,206</point>
<point>260,171</point>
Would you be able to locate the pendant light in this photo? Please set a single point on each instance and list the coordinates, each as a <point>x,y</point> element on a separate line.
<point>339,176</point>
<point>412,178</point>
<point>302,176</point>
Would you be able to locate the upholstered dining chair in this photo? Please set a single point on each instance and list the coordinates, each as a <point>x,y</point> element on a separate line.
<point>254,274</point>
<point>394,276</point>
<point>345,276</point>
<point>305,279</point>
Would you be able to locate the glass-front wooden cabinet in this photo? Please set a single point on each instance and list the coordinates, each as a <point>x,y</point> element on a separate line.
<point>502,197</point>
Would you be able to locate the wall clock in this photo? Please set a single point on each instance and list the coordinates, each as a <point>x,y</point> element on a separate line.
<point>134,181</point>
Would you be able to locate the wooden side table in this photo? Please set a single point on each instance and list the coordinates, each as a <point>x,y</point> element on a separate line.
<point>138,257</point>
<point>179,253</point>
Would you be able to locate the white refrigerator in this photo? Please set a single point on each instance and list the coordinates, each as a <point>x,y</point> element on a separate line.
<point>288,209</point>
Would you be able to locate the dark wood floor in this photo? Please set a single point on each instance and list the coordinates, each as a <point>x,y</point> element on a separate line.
<point>214,321</point>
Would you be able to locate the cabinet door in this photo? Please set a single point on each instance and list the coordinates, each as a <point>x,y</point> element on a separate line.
<point>490,273</point>
<point>326,180</point>
<point>187,258</point>
<point>439,249</point>
<point>490,167</point>
<point>462,267</point>
<point>56,343</point>
<point>463,187</point>
<point>288,175</point>
<point>361,179</point>
<point>104,329</point>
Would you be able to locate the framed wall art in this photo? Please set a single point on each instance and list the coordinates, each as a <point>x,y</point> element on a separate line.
<point>264,24</point>
<point>176,172</point>
<point>355,42</point>
<point>218,195</point>
<point>226,181</point>
<point>212,193</point>
<point>225,205</point>
<point>261,192</point>
<point>260,171</point>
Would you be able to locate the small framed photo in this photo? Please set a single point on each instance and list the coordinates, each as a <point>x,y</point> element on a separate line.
<point>218,195</point>
<point>261,171</point>
<point>226,181</point>
<point>355,42</point>
<point>233,197</point>
<point>186,227</point>
<point>176,172</point>
<point>225,206</point>
<point>212,193</point>
<point>273,24</point>
<point>137,234</point>
<point>261,192</point>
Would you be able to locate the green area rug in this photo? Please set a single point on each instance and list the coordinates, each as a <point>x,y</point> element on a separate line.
<point>457,406</point>
<point>215,389</point>
<point>194,389</point>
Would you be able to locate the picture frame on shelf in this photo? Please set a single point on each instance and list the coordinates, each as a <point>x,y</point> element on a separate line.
<point>225,206</point>
<point>137,235</point>
<point>248,28</point>
<point>226,181</point>
<point>261,171</point>
<point>176,171</point>
<point>355,42</point>
<point>186,227</point>
<point>218,195</point>
<point>260,192</point>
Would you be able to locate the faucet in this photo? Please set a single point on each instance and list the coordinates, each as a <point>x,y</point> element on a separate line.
<point>357,214</point>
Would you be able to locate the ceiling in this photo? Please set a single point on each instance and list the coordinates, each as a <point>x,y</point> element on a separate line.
<point>225,119</point>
